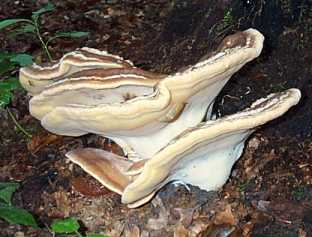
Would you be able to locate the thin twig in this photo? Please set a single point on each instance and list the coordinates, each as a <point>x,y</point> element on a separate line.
<point>44,45</point>
<point>18,125</point>
<point>78,234</point>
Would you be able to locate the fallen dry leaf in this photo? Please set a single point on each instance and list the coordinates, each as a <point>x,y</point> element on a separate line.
<point>132,231</point>
<point>302,233</point>
<point>224,231</point>
<point>180,231</point>
<point>116,229</point>
<point>252,167</point>
<point>89,186</point>
<point>225,217</point>
<point>259,76</point>
<point>198,229</point>
<point>39,141</point>
<point>284,211</point>
<point>185,215</point>
<point>144,233</point>
<point>62,202</point>
<point>247,229</point>
<point>163,216</point>
<point>288,211</point>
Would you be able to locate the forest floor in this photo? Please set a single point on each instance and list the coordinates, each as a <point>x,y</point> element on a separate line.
<point>270,189</point>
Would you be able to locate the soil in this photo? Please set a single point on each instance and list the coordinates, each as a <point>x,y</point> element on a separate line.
<point>270,189</point>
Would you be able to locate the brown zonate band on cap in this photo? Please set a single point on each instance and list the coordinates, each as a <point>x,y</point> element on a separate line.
<point>35,78</point>
<point>106,167</point>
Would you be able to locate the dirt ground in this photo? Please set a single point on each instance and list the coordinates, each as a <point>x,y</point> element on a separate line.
<point>270,189</point>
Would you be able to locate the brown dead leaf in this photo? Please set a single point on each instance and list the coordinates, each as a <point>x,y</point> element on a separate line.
<point>114,233</point>
<point>163,215</point>
<point>288,211</point>
<point>284,211</point>
<point>180,231</point>
<point>225,217</point>
<point>302,233</point>
<point>185,215</point>
<point>144,233</point>
<point>199,228</point>
<point>247,229</point>
<point>259,76</point>
<point>115,12</point>
<point>132,231</point>
<point>62,202</point>
<point>158,223</point>
<point>224,231</point>
<point>39,141</point>
<point>116,229</point>
<point>252,167</point>
<point>88,186</point>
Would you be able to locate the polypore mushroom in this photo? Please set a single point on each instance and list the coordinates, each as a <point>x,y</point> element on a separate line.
<point>92,88</point>
<point>35,78</point>
<point>139,110</point>
<point>202,156</point>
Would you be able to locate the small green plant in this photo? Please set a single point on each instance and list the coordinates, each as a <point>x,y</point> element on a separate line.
<point>245,184</point>
<point>228,17</point>
<point>32,26</point>
<point>70,226</point>
<point>224,25</point>
<point>298,193</point>
<point>15,215</point>
<point>10,213</point>
<point>9,62</point>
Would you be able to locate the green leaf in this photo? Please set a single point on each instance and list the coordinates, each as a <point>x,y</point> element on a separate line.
<point>6,66</point>
<point>4,55</point>
<point>23,29</point>
<point>47,8</point>
<point>69,225</point>
<point>28,28</point>
<point>5,98</point>
<point>8,22</point>
<point>6,194</point>
<point>15,215</point>
<point>22,59</point>
<point>5,90</point>
<point>7,190</point>
<point>7,184</point>
<point>95,235</point>
<point>72,34</point>
<point>9,84</point>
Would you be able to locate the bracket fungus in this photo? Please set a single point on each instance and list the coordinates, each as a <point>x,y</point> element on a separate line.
<point>141,111</point>
<point>201,156</point>
<point>162,122</point>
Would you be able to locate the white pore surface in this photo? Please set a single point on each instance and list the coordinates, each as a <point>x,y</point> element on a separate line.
<point>209,166</point>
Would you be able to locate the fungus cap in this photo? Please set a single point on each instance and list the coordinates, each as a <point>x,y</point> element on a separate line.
<point>132,106</point>
<point>202,156</point>
<point>35,78</point>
